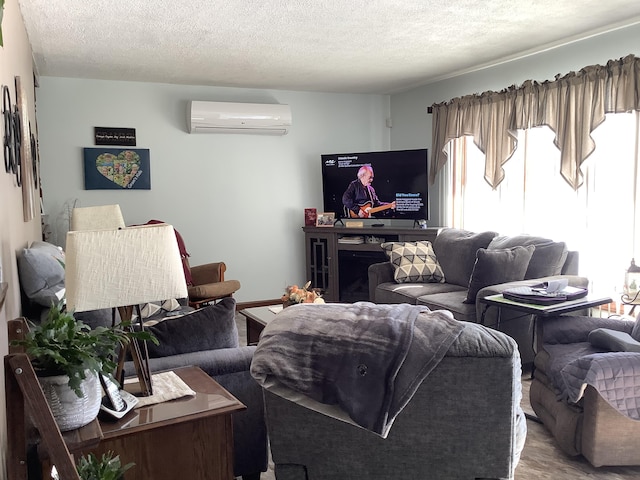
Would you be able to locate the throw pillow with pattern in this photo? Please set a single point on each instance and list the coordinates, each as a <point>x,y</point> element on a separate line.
<point>413,262</point>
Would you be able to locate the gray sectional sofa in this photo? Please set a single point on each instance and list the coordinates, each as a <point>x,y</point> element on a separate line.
<point>463,421</point>
<point>489,264</point>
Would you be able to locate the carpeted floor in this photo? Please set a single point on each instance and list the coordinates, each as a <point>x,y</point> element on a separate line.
<point>540,460</point>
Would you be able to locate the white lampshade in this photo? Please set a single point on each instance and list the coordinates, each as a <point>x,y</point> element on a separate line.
<point>116,268</point>
<point>97,218</point>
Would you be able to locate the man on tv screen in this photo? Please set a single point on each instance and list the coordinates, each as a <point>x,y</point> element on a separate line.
<point>360,199</point>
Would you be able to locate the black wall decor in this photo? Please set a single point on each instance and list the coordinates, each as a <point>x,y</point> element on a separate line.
<point>115,136</point>
<point>12,136</point>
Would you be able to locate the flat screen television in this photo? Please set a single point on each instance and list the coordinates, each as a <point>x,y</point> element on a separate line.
<point>399,176</point>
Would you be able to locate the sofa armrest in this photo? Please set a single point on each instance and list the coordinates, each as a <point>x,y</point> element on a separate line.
<point>379,273</point>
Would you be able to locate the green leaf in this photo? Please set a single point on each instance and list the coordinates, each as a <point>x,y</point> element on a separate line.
<point>108,467</point>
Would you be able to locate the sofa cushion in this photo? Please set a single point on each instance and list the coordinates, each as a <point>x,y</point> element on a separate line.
<point>209,328</point>
<point>498,266</point>
<point>413,262</point>
<point>548,258</point>
<point>456,250</point>
<point>452,301</point>
<point>391,292</point>
<point>41,273</point>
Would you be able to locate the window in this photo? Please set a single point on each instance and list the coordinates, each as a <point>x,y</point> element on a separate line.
<point>600,219</point>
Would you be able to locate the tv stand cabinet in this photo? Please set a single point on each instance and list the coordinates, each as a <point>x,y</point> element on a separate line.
<point>340,269</point>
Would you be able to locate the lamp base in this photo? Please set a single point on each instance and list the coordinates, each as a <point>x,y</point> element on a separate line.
<point>138,351</point>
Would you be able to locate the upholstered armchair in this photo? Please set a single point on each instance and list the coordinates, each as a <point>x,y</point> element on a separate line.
<point>208,284</point>
<point>586,387</point>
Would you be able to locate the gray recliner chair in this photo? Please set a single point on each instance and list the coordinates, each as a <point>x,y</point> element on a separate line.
<point>591,427</point>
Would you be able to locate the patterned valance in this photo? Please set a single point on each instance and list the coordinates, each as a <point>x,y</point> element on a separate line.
<point>572,106</point>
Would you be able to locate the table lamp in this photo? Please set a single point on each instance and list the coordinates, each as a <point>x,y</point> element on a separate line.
<point>96,218</point>
<point>122,268</point>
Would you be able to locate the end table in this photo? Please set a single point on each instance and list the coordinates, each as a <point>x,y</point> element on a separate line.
<point>190,437</point>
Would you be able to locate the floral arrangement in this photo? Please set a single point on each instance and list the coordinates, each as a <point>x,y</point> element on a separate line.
<point>294,294</point>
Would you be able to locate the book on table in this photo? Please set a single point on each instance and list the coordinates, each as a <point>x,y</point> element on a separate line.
<point>546,293</point>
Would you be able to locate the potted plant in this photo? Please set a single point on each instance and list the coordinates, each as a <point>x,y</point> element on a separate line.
<point>67,356</point>
<point>108,467</point>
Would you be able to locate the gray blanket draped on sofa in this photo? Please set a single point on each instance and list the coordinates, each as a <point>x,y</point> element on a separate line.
<point>368,359</point>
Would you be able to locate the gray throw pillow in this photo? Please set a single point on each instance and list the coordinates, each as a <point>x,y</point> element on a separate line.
<point>613,340</point>
<point>413,262</point>
<point>547,260</point>
<point>497,266</point>
<point>456,250</point>
<point>208,328</point>
<point>41,274</point>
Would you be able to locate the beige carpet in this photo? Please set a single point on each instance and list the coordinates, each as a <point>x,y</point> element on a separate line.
<point>540,460</point>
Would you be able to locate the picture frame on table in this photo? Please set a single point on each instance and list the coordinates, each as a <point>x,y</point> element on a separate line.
<point>325,219</point>
<point>310,217</point>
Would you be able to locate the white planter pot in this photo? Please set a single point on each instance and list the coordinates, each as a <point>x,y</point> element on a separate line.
<point>69,410</point>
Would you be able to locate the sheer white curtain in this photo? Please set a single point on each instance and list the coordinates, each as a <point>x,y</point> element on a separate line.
<point>600,219</point>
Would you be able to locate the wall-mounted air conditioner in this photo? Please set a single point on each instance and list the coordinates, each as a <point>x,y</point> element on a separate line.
<point>227,117</point>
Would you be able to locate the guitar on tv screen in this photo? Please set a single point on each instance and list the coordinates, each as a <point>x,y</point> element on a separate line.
<point>376,185</point>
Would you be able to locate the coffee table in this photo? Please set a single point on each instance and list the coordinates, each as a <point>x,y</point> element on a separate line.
<point>257,318</point>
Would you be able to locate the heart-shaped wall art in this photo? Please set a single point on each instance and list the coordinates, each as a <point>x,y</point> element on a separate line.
<point>121,169</point>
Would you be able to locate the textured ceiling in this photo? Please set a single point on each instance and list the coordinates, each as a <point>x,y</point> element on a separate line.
<point>351,46</point>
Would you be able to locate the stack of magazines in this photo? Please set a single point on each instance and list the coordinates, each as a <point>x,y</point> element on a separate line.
<point>547,293</point>
<point>357,240</point>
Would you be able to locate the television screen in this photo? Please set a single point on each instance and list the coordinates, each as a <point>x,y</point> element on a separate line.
<point>376,185</point>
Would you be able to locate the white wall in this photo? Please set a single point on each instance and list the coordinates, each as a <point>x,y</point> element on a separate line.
<point>412,125</point>
<point>234,198</point>
<point>15,233</point>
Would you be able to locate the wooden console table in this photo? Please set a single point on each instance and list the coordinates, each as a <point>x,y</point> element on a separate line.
<point>334,267</point>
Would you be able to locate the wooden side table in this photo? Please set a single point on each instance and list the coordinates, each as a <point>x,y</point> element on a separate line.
<point>257,318</point>
<point>540,312</point>
<point>190,437</point>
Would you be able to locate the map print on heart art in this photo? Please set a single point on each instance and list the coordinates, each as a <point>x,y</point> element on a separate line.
<point>121,169</point>
<point>112,168</point>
